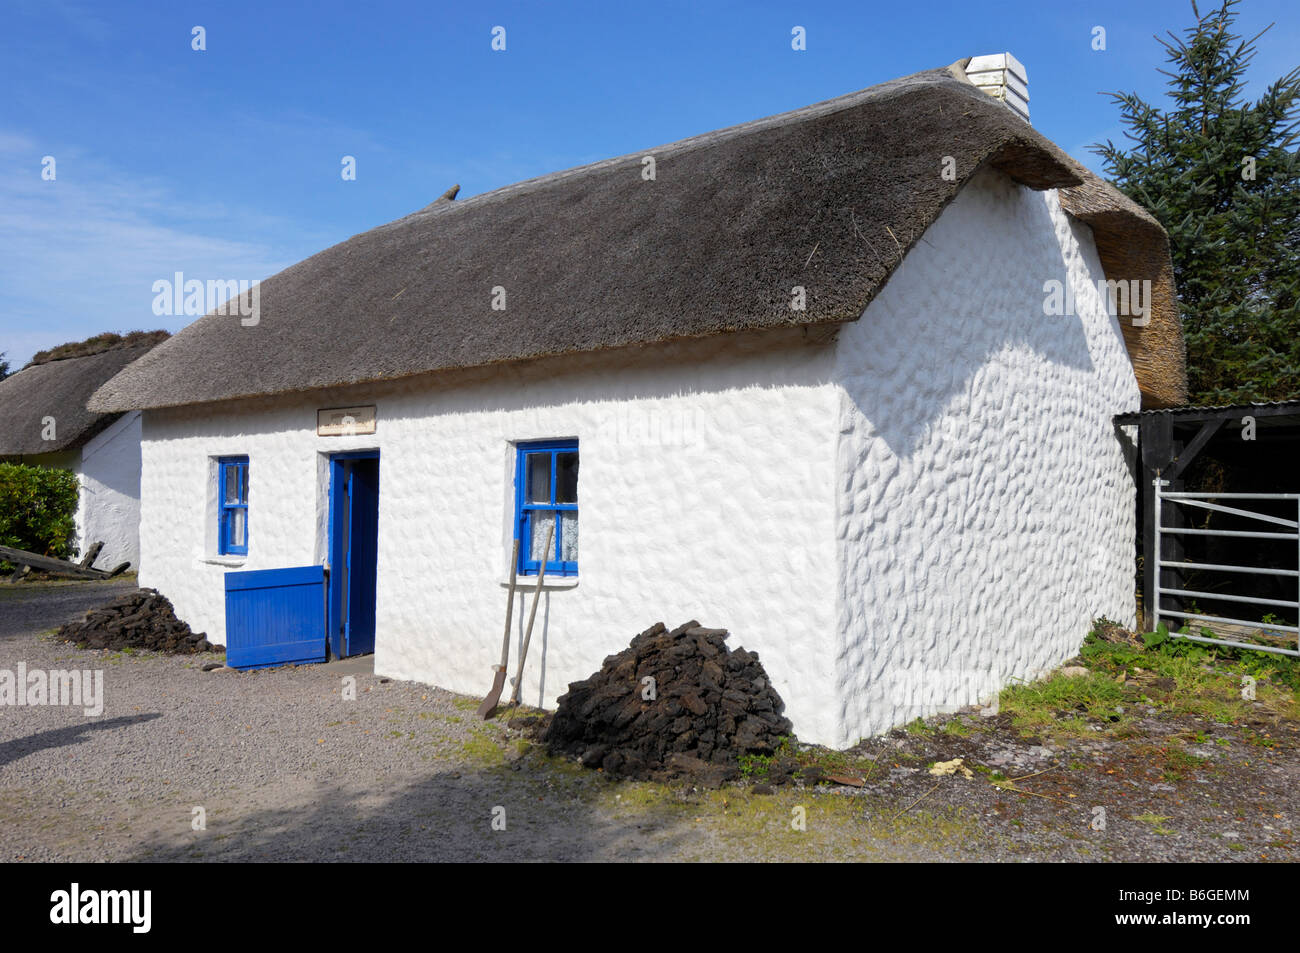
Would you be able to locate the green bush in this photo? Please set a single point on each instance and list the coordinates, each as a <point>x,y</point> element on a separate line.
<point>38,510</point>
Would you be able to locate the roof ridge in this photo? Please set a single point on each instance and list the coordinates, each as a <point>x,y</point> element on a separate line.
<point>825,107</point>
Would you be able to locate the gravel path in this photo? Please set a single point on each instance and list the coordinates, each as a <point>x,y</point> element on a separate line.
<point>28,607</point>
<point>284,768</point>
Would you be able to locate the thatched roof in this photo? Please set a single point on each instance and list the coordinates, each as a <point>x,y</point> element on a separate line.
<point>1132,245</point>
<point>58,389</point>
<point>830,197</point>
<point>106,341</point>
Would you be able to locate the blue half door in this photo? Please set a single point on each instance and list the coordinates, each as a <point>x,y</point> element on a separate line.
<point>354,549</point>
<point>275,617</point>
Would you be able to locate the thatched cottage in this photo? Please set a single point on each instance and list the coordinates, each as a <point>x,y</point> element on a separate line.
<point>47,424</point>
<point>802,378</point>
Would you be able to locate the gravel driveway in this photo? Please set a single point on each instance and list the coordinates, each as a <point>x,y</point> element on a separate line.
<point>283,767</point>
<point>26,608</point>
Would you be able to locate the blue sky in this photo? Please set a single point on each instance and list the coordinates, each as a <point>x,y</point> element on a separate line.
<point>225,163</point>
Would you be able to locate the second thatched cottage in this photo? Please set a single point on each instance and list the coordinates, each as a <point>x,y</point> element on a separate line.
<point>46,424</point>
<point>841,380</point>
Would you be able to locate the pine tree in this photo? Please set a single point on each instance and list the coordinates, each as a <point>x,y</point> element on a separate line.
<point>1222,175</point>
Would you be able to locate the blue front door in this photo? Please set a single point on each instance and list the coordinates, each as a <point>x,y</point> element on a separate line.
<point>354,539</point>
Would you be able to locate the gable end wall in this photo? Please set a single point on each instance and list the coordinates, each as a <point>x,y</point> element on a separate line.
<point>985,509</point>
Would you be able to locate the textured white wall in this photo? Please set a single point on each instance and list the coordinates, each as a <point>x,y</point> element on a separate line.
<point>109,510</point>
<point>706,490</point>
<point>985,510</point>
<point>108,501</point>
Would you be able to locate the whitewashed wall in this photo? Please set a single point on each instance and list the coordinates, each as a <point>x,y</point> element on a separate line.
<point>109,506</point>
<point>706,491</point>
<point>985,511</point>
<point>108,499</point>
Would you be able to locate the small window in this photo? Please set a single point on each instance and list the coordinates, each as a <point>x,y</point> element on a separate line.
<point>546,496</point>
<point>232,500</point>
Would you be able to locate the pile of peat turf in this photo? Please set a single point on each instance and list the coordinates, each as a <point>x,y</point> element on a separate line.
<point>705,707</point>
<point>142,619</point>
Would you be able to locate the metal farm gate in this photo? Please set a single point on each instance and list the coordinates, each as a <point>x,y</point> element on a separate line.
<point>1166,501</point>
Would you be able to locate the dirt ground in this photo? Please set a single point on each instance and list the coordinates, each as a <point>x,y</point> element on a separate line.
<point>1167,762</point>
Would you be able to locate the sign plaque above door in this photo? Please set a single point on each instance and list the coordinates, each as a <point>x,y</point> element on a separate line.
<point>345,421</point>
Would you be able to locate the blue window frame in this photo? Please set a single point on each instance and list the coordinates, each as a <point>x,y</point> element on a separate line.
<point>546,494</point>
<point>232,502</point>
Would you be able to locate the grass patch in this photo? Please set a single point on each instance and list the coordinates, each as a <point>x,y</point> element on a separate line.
<point>755,767</point>
<point>832,826</point>
<point>1172,676</point>
<point>1217,671</point>
<point>483,749</point>
<point>824,760</point>
<point>1157,822</point>
<point>918,727</point>
<point>1173,763</point>
<point>1063,705</point>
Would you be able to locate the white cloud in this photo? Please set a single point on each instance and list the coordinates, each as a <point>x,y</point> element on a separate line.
<point>12,144</point>
<point>79,255</point>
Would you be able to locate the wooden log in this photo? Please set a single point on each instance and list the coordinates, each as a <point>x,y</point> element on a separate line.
<point>89,561</point>
<point>49,564</point>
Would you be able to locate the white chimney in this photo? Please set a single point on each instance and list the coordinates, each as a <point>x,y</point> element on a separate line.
<point>1003,77</point>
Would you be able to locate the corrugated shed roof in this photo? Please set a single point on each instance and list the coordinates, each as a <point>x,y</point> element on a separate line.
<point>1284,406</point>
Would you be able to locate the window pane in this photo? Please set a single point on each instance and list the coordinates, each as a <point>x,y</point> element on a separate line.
<point>539,478</point>
<point>243,483</point>
<point>566,477</point>
<point>231,482</point>
<point>569,536</point>
<point>236,527</point>
<point>541,522</point>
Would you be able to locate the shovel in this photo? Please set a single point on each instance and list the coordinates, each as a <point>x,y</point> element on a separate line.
<point>532,614</point>
<point>499,679</point>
